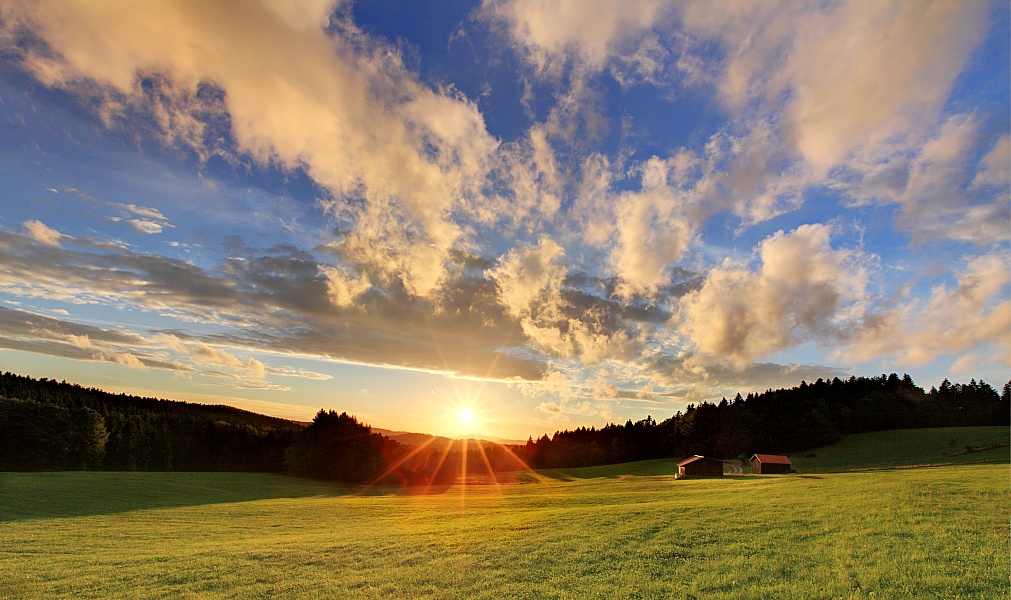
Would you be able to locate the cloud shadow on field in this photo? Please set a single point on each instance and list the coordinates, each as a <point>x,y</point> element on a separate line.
<point>56,495</point>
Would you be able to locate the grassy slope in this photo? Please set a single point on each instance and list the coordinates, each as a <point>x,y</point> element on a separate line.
<point>884,449</point>
<point>919,532</point>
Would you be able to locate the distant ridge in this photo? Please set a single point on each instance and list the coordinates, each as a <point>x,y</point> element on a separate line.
<point>493,439</point>
<point>440,442</point>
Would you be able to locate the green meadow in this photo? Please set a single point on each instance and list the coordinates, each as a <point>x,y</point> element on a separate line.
<point>909,447</point>
<point>623,531</point>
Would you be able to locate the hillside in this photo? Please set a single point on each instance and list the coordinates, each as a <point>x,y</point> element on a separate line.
<point>908,447</point>
<point>416,439</point>
<point>438,442</point>
<point>71,394</point>
<point>54,425</point>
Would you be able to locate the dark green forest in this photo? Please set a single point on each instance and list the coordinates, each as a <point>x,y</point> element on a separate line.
<point>779,421</point>
<point>50,425</point>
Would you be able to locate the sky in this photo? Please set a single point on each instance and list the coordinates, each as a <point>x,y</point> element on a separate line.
<point>548,214</point>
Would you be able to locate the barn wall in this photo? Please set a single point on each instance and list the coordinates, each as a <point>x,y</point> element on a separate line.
<point>775,468</point>
<point>703,468</point>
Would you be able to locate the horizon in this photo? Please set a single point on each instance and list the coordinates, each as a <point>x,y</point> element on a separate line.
<point>501,217</point>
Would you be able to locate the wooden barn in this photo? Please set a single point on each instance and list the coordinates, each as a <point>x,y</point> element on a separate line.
<point>770,463</point>
<point>699,466</point>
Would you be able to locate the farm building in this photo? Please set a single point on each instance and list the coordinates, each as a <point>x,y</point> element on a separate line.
<point>699,466</point>
<point>770,463</point>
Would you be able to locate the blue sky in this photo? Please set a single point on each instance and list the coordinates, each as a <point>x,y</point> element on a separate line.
<point>559,213</point>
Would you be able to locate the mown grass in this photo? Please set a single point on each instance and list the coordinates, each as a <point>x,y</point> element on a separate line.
<point>908,447</point>
<point>940,532</point>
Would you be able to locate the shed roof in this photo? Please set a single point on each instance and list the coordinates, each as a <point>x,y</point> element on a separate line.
<point>774,459</point>
<point>692,459</point>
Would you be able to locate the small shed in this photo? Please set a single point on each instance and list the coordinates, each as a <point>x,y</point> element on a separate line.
<point>770,463</point>
<point>699,466</point>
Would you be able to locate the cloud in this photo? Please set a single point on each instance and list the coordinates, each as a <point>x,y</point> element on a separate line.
<point>531,283</point>
<point>935,201</point>
<point>803,289</point>
<point>22,330</point>
<point>943,191</point>
<point>152,220</point>
<point>336,103</point>
<point>96,273</point>
<point>825,60</point>
<point>528,276</point>
<point>976,312</point>
<point>560,256</point>
<point>38,231</point>
<point>342,288</point>
<point>654,228</point>
<point>152,214</point>
<point>694,377</point>
<point>217,356</point>
<point>303,373</point>
<point>552,408</point>
<point>995,168</point>
<point>280,301</point>
<point>589,30</point>
<point>149,227</point>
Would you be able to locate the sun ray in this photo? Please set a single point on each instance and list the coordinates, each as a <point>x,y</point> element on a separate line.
<point>397,464</point>
<point>463,474</point>
<point>491,471</point>
<point>521,462</point>
<point>438,467</point>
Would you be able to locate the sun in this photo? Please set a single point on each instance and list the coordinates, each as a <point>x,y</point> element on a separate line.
<point>465,418</point>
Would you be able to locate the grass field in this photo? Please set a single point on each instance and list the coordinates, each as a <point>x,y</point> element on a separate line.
<point>908,447</point>
<point>939,532</point>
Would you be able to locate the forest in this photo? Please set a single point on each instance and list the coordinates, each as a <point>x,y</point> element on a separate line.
<point>50,425</point>
<point>779,421</point>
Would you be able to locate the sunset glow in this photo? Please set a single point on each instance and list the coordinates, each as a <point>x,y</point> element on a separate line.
<point>502,217</point>
<point>466,418</point>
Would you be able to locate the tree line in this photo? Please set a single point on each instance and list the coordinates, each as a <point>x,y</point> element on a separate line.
<point>50,425</point>
<point>778,421</point>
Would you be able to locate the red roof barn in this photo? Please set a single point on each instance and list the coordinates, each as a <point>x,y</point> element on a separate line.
<point>699,466</point>
<point>770,463</point>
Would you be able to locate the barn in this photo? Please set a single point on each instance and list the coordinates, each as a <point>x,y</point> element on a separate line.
<point>770,463</point>
<point>699,466</point>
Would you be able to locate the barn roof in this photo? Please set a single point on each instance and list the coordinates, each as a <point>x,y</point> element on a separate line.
<point>692,459</point>
<point>772,459</point>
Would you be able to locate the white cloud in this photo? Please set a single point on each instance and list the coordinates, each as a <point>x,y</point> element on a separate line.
<point>826,61</point>
<point>303,373</point>
<point>589,30</point>
<point>552,408</point>
<point>976,312</point>
<point>38,231</point>
<point>341,106</point>
<point>530,282</point>
<point>149,213</point>
<point>149,227</point>
<point>215,356</point>
<point>123,358</point>
<point>804,289</point>
<point>995,168</point>
<point>943,192</point>
<point>342,288</point>
<point>529,277</point>
<point>654,227</point>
